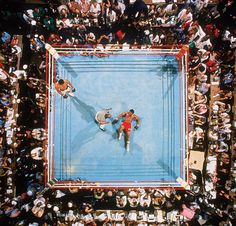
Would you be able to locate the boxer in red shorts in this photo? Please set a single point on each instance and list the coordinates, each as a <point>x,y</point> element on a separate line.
<point>126,125</point>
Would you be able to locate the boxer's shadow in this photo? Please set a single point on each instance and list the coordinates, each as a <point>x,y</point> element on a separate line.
<point>134,147</point>
<point>114,134</point>
<point>166,168</point>
<point>88,112</point>
<point>84,136</point>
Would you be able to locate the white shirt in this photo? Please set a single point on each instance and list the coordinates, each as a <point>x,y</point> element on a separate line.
<point>20,74</point>
<point>95,9</point>
<point>145,199</point>
<point>3,75</point>
<point>120,7</point>
<point>36,153</point>
<point>111,15</point>
<point>169,8</point>
<point>185,17</point>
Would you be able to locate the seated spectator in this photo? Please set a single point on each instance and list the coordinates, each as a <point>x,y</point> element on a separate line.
<point>14,40</point>
<point>133,198</point>
<point>88,219</point>
<point>120,35</point>
<point>121,200</point>
<point>199,134</point>
<point>145,200</point>
<point>36,83</point>
<point>158,199</point>
<point>87,208</point>
<point>185,16</point>
<point>98,194</point>
<point>200,98</point>
<point>171,9</point>
<point>213,135</point>
<point>49,23</point>
<point>225,129</point>
<point>38,13</point>
<point>200,4</point>
<point>84,8</point>
<point>110,197</point>
<point>205,57</point>
<point>81,34</point>
<point>5,100</point>
<point>118,7</point>
<point>155,39</point>
<point>227,79</point>
<point>104,39</point>
<point>95,9</point>
<point>104,217</point>
<point>161,16</point>
<point>132,217</point>
<point>90,38</point>
<point>36,44</point>
<point>39,134</point>
<point>3,75</point>
<point>74,7</point>
<point>70,217</point>
<point>54,39</point>
<point>118,218</point>
<point>37,153</point>
<point>12,211</point>
<point>187,212</point>
<point>199,120</point>
<point>138,10</point>
<point>201,73</point>
<point>28,16</point>
<point>63,11</point>
<point>39,207</point>
<point>223,95</point>
<point>110,16</point>
<point>222,147</point>
<point>200,109</point>
<point>203,87</point>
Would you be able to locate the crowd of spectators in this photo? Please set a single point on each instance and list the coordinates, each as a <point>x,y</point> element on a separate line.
<point>210,32</point>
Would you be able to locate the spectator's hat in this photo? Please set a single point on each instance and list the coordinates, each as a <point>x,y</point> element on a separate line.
<point>133,194</point>
<point>122,193</point>
<point>55,208</point>
<point>70,213</point>
<point>146,32</point>
<point>59,194</point>
<point>33,22</point>
<point>109,193</point>
<point>25,66</point>
<point>29,193</point>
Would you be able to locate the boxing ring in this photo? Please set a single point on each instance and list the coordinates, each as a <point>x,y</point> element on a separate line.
<point>151,81</point>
